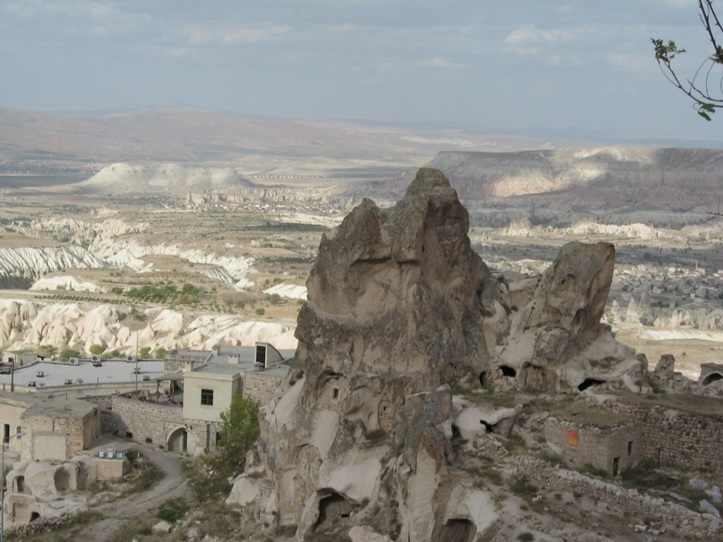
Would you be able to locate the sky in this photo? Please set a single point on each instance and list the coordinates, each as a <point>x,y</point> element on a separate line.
<point>582,68</point>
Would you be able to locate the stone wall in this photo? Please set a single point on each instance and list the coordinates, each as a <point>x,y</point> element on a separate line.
<point>260,386</point>
<point>671,435</point>
<point>636,506</point>
<point>180,365</point>
<point>140,420</point>
<point>676,437</point>
<point>101,401</point>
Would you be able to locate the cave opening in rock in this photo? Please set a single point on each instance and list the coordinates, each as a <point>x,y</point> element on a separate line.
<point>482,378</point>
<point>455,530</point>
<point>34,516</point>
<point>332,509</point>
<point>508,371</point>
<point>712,377</point>
<point>62,479</point>
<point>489,428</point>
<point>20,484</point>
<point>588,382</point>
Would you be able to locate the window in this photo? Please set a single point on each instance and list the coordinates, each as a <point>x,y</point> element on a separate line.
<point>207,397</point>
<point>630,447</point>
<point>335,393</point>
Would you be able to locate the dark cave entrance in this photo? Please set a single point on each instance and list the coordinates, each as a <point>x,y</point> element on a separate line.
<point>712,377</point>
<point>455,530</point>
<point>508,371</point>
<point>332,509</point>
<point>588,382</point>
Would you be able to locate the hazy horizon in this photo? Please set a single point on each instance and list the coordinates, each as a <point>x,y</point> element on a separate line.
<point>574,69</point>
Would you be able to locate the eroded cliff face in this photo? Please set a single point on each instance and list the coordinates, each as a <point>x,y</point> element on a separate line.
<point>399,310</point>
<point>556,341</point>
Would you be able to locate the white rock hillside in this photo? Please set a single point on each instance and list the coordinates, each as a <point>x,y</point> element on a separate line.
<point>27,324</point>
<point>19,267</point>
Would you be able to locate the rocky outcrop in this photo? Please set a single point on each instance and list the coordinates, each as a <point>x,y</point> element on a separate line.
<point>556,340</point>
<point>79,232</point>
<point>400,310</point>
<point>66,282</point>
<point>393,314</point>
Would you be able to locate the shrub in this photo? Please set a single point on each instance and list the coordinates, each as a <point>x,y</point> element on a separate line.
<point>96,349</point>
<point>589,468</point>
<point>521,485</point>
<point>67,353</point>
<point>172,510</point>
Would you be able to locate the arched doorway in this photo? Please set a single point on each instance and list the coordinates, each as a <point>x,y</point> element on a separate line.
<point>183,439</point>
<point>178,440</point>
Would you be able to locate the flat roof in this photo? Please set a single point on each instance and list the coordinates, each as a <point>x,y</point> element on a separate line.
<point>56,373</point>
<point>58,406</point>
<point>222,369</point>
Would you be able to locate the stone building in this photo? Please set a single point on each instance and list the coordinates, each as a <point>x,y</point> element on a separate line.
<point>612,444</point>
<point>209,381</point>
<point>665,430</point>
<point>19,357</point>
<point>47,427</point>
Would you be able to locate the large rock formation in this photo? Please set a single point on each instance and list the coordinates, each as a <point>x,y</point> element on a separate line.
<point>399,310</point>
<point>556,340</point>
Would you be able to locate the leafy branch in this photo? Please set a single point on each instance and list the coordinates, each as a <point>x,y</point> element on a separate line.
<point>705,88</point>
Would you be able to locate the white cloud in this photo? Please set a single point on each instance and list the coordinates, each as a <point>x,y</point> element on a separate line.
<point>213,34</point>
<point>529,39</point>
<point>76,9</point>
<point>439,63</point>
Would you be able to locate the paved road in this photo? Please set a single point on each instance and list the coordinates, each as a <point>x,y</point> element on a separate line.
<point>119,513</point>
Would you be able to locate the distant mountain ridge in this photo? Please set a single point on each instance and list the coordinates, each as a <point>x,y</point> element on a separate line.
<point>41,142</point>
<point>598,178</point>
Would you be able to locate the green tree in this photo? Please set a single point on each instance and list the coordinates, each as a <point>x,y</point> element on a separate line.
<point>145,351</point>
<point>705,88</point>
<point>67,353</point>
<point>113,354</point>
<point>96,349</point>
<point>161,352</point>
<point>239,431</point>
<point>49,350</point>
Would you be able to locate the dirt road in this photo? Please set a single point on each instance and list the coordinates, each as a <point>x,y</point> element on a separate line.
<point>124,511</point>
